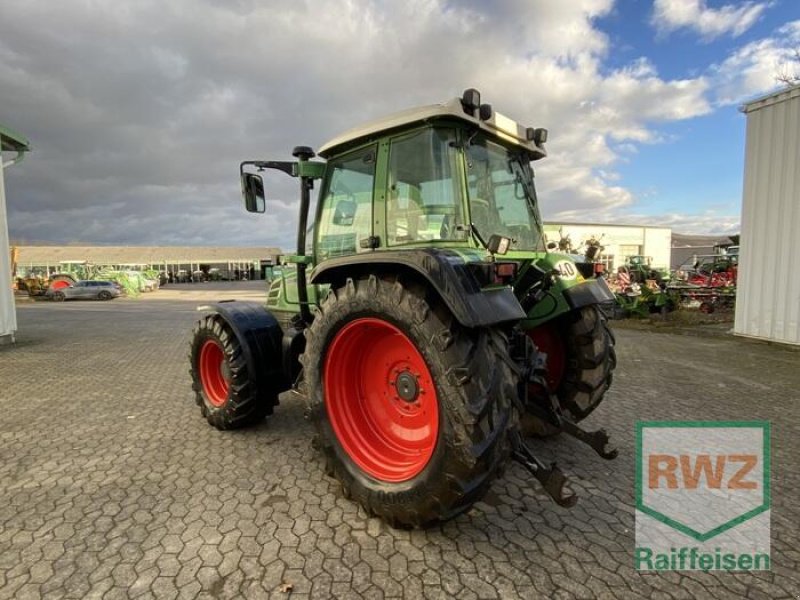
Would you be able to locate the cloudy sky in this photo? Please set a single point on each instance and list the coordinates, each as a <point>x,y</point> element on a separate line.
<point>139,112</point>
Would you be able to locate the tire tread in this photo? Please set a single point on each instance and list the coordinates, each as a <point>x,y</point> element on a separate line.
<point>245,405</point>
<point>475,387</point>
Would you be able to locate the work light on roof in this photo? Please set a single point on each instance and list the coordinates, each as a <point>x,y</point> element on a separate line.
<point>537,136</point>
<point>471,101</point>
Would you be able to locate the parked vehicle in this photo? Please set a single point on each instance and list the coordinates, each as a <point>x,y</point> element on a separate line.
<point>85,290</point>
<point>149,285</point>
<point>640,270</point>
<point>708,281</point>
<point>441,326</point>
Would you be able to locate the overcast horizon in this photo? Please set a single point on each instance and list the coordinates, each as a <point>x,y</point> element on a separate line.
<point>139,113</point>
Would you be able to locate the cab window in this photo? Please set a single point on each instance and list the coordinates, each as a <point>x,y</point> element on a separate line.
<point>423,200</point>
<point>345,216</point>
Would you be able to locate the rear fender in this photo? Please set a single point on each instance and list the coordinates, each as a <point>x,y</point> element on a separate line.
<point>444,270</point>
<point>260,336</point>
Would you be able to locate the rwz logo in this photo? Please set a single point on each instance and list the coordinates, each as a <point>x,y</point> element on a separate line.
<point>706,482</point>
<point>663,469</point>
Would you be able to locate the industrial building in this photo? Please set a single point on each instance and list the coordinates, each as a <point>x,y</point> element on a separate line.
<point>10,143</point>
<point>618,241</point>
<point>685,248</point>
<point>228,262</point>
<point>768,293</point>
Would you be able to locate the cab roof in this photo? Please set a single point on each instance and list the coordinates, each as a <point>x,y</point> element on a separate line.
<point>496,125</point>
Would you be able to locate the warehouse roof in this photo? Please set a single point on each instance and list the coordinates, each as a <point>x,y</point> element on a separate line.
<point>774,98</point>
<point>599,225</point>
<point>11,141</point>
<point>137,255</point>
<point>680,240</point>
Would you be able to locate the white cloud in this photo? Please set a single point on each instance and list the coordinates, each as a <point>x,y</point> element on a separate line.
<point>138,129</point>
<point>710,23</point>
<point>708,222</point>
<point>753,69</point>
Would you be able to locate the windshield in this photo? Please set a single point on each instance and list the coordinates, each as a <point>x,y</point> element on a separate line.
<point>502,197</point>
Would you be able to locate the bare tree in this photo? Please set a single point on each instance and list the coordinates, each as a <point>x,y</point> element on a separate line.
<point>789,72</point>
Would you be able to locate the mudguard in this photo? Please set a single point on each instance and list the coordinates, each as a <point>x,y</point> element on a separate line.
<point>445,270</point>
<point>592,291</point>
<point>260,336</point>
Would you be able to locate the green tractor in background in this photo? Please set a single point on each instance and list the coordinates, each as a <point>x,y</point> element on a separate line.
<point>640,270</point>
<point>641,289</point>
<point>423,320</point>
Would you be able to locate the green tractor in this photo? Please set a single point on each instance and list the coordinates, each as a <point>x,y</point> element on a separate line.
<point>423,321</point>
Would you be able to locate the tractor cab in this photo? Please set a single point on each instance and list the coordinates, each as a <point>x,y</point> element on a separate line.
<point>450,175</point>
<point>455,177</point>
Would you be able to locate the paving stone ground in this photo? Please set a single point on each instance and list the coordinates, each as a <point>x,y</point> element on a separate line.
<point>113,486</point>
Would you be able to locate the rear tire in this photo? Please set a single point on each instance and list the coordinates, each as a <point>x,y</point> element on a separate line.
<point>377,343</point>
<point>104,295</point>
<point>586,359</point>
<point>224,388</point>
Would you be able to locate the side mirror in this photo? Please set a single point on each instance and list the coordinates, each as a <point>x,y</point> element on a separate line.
<point>344,213</point>
<point>253,191</point>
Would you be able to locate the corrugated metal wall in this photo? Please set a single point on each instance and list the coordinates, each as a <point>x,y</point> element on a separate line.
<point>8,314</point>
<point>768,294</point>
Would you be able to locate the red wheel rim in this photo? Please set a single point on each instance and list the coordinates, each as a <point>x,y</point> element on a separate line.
<point>548,340</point>
<point>213,372</point>
<point>381,400</point>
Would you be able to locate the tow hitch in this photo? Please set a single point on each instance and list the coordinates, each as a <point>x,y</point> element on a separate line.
<point>596,440</point>
<point>545,406</point>
<point>551,478</point>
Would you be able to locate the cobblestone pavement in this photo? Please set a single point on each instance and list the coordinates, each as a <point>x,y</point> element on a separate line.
<point>113,486</point>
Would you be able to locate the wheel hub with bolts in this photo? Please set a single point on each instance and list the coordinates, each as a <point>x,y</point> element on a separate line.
<point>407,386</point>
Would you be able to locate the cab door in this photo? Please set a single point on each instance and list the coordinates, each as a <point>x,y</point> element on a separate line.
<point>345,215</point>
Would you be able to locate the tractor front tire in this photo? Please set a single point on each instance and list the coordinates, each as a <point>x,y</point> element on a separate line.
<point>581,360</point>
<point>224,388</point>
<point>412,410</point>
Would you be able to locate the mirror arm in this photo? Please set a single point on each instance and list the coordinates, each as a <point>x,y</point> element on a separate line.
<point>306,185</point>
<point>288,167</point>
